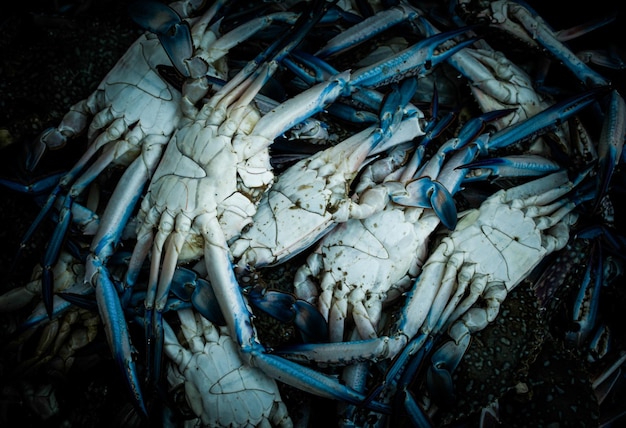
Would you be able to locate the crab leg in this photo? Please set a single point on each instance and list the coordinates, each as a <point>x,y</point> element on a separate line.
<point>112,224</point>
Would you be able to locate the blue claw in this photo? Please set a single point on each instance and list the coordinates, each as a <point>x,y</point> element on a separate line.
<point>52,255</point>
<point>510,166</point>
<point>443,362</point>
<point>351,114</point>
<point>604,58</point>
<point>417,60</point>
<point>585,310</point>
<point>173,33</point>
<point>467,135</point>
<point>309,68</point>
<point>548,119</point>
<point>35,151</point>
<point>361,96</point>
<point>117,332</point>
<point>611,142</point>
<point>289,40</point>
<point>427,193</point>
<point>424,192</point>
<point>411,362</point>
<point>519,132</point>
<point>190,290</point>
<point>367,29</point>
<point>476,126</point>
<point>312,70</point>
<point>286,308</point>
<point>443,204</point>
<point>417,415</point>
<point>154,16</point>
<point>187,286</point>
<point>392,109</point>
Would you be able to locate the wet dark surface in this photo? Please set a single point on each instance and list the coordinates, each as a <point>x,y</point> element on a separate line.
<point>54,57</point>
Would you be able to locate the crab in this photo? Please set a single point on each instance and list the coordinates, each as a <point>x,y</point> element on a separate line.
<point>219,388</point>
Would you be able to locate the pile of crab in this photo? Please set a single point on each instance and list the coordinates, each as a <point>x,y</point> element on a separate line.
<point>427,213</point>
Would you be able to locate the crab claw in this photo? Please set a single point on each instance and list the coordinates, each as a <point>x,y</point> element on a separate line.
<point>427,193</point>
<point>189,287</point>
<point>585,309</point>
<point>391,111</point>
<point>604,58</point>
<point>285,307</point>
<point>52,255</point>
<point>443,362</point>
<point>549,118</point>
<point>611,142</point>
<point>366,29</point>
<point>416,60</point>
<point>116,330</point>
<point>509,166</point>
<point>154,16</point>
<point>417,415</point>
<point>173,33</point>
<point>50,138</point>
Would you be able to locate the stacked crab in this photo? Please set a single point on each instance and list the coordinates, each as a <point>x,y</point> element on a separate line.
<point>405,231</point>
